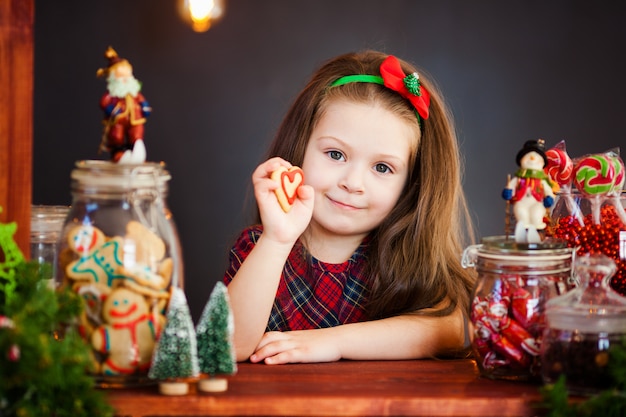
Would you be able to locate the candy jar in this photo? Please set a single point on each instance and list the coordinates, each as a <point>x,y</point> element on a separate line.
<point>593,226</point>
<point>514,282</point>
<point>582,327</point>
<point>589,211</point>
<point>120,252</point>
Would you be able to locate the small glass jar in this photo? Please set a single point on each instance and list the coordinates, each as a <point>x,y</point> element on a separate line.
<point>593,224</point>
<point>121,253</point>
<point>515,280</point>
<point>582,327</point>
<point>46,224</point>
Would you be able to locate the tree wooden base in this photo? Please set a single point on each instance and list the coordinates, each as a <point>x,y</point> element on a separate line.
<point>174,388</point>
<point>213,385</point>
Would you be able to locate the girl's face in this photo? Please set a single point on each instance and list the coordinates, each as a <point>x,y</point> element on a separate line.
<point>357,160</point>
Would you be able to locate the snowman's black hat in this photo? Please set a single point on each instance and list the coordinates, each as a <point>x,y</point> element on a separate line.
<point>533,146</point>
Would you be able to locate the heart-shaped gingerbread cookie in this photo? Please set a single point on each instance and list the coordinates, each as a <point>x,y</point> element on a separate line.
<point>289,180</point>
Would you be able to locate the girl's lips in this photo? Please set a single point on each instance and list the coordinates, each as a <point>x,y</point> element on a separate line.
<point>342,205</point>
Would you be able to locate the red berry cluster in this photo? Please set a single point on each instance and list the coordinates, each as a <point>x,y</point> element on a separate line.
<point>596,238</point>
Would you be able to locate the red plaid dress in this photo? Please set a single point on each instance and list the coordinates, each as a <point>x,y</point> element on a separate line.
<point>311,294</point>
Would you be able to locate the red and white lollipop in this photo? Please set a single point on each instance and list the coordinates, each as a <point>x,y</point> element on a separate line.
<point>618,185</point>
<point>594,176</point>
<point>560,169</point>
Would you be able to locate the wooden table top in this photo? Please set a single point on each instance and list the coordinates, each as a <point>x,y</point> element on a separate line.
<point>344,388</point>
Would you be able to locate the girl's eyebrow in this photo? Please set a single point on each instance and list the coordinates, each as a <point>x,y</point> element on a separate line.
<point>329,138</point>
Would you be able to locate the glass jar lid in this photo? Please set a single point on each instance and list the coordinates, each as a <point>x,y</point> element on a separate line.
<point>592,307</point>
<point>108,175</point>
<point>46,224</point>
<point>499,254</point>
<point>507,246</point>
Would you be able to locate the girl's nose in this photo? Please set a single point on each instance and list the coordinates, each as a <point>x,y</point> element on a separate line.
<point>352,180</point>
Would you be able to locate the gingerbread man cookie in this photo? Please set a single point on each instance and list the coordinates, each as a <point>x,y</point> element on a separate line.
<point>129,333</point>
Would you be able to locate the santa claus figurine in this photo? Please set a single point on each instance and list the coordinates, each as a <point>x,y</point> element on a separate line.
<point>125,111</point>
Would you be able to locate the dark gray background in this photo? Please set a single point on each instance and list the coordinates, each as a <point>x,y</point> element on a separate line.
<point>511,71</point>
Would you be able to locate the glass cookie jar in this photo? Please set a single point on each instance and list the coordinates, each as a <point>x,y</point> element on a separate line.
<point>120,251</point>
<point>515,280</point>
<point>583,327</point>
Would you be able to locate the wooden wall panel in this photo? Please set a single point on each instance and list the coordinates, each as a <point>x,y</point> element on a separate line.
<point>16,115</point>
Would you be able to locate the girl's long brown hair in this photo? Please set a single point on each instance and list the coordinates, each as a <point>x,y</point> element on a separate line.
<point>414,255</point>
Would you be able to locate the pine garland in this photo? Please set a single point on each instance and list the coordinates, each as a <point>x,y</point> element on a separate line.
<point>41,372</point>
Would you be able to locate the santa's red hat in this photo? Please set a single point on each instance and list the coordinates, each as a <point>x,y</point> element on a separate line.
<point>114,60</point>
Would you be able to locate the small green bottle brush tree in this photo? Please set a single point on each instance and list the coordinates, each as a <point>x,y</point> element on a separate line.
<point>175,358</point>
<point>214,333</point>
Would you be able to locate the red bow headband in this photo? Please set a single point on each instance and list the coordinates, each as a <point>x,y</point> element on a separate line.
<point>392,77</point>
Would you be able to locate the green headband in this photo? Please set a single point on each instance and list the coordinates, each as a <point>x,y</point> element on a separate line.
<point>358,78</point>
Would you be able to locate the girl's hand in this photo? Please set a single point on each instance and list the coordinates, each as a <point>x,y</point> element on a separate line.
<point>297,346</point>
<point>278,225</point>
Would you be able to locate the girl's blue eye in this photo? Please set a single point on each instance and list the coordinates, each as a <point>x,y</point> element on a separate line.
<point>336,155</point>
<point>382,168</point>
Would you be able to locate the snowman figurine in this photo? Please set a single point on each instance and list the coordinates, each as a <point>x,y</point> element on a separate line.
<point>530,191</point>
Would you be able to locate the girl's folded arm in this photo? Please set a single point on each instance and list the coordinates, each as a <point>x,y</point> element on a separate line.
<point>408,336</point>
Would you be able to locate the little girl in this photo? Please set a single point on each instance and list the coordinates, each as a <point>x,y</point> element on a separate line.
<point>366,264</point>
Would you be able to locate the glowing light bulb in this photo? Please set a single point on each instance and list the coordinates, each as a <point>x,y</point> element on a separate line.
<point>201,14</point>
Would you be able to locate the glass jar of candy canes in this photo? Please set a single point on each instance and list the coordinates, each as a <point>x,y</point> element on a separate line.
<point>120,252</point>
<point>590,213</point>
<point>515,280</point>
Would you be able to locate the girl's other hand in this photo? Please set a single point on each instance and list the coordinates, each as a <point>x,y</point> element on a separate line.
<point>296,347</point>
<point>278,225</point>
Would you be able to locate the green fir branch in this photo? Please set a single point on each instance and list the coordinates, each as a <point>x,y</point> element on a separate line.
<point>46,373</point>
<point>608,403</point>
